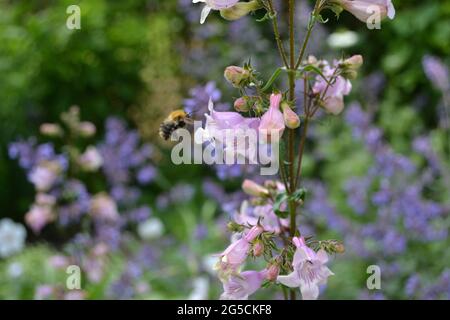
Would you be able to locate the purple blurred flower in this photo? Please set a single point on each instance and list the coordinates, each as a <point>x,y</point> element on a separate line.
<point>437,72</point>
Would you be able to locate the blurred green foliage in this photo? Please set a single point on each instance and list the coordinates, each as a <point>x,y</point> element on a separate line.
<point>46,68</point>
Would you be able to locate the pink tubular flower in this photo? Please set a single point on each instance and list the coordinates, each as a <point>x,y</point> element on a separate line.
<point>237,252</point>
<point>214,5</point>
<point>240,286</point>
<point>104,208</point>
<point>250,215</point>
<point>364,9</point>
<point>309,270</point>
<point>272,122</point>
<point>38,217</point>
<point>333,95</point>
<point>252,188</point>
<point>217,125</point>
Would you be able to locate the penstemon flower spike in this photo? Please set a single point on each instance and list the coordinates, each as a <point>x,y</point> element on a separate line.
<point>265,228</point>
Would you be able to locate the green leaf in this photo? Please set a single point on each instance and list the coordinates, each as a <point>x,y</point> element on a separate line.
<point>279,200</point>
<point>298,195</point>
<point>337,9</point>
<point>320,19</point>
<point>266,17</point>
<point>311,68</point>
<point>272,79</point>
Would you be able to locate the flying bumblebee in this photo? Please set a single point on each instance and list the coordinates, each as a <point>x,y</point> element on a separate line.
<point>177,119</point>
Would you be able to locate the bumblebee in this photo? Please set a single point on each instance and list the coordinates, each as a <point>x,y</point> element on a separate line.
<point>177,119</point>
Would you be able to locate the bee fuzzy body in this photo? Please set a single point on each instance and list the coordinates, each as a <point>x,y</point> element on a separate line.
<point>176,120</point>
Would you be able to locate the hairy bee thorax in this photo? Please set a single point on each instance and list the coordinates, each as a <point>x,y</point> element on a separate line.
<point>176,120</point>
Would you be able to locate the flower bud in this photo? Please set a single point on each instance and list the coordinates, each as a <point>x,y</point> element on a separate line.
<point>240,10</point>
<point>350,66</point>
<point>236,76</point>
<point>338,247</point>
<point>272,122</point>
<point>86,129</point>
<point>291,119</point>
<point>312,60</point>
<point>271,185</point>
<point>258,249</point>
<point>51,130</point>
<point>234,227</point>
<point>354,62</point>
<point>241,105</point>
<point>253,233</point>
<point>91,160</point>
<point>253,189</point>
<point>272,272</point>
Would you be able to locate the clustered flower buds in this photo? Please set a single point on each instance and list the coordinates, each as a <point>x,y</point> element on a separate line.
<point>237,76</point>
<point>334,83</point>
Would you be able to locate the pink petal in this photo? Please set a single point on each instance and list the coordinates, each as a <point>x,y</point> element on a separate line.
<point>309,292</point>
<point>292,280</point>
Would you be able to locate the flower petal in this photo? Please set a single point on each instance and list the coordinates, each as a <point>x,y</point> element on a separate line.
<point>309,292</point>
<point>322,256</point>
<point>291,280</point>
<point>205,12</point>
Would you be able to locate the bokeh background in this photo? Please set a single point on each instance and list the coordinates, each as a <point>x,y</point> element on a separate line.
<point>378,177</point>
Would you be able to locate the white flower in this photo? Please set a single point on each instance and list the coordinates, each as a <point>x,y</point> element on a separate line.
<point>151,229</point>
<point>12,237</point>
<point>15,270</point>
<point>200,289</point>
<point>45,175</point>
<point>214,5</point>
<point>91,159</point>
<point>309,270</point>
<point>342,39</point>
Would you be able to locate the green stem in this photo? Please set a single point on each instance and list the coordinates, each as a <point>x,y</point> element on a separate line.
<point>302,51</point>
<point>301,150</point>
<point>308,35</point>
<point>292,204</point>
<point>276,31</point>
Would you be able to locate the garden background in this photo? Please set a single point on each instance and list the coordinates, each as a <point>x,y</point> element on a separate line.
<point>378,180</point>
